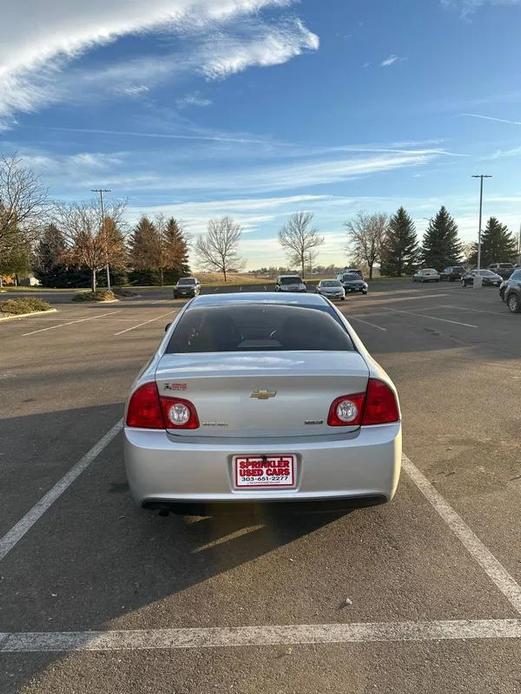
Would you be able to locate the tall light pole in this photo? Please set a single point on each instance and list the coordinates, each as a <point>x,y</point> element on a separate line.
<point>101,191</point>
<point>481,177</point>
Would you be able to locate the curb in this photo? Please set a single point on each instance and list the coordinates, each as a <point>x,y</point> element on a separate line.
<point>111,301</point>
<point>32,313</point>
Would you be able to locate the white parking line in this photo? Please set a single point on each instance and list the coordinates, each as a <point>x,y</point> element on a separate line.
<point>72,322</point>
<point>484,557</point>
<point>477,310</point>
<point>366,322</point>
<point>277,635</point>
<point>442,320</point>
<point>139,325</point>
<point>13,536</point>
<point>375,299</point>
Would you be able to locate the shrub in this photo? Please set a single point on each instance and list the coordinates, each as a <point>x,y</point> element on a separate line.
<point>123,292</point>
<point>17,307</point>
<point>98,295</point>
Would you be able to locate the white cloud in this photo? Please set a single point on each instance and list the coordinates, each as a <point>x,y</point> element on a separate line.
<point>467,7</point>
<point>391,60</point>
<point>136,90</point>
<point>506,153</point>
<point>37,41</point>
<point>194,99</point>
<point>272,45</point>
<point>491,118</point>
<point>272,177</point>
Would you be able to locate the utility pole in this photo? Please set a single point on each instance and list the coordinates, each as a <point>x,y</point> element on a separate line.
<point>101,191</point>
<point>481,177</point>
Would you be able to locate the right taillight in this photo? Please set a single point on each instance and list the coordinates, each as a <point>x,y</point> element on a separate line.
<point>381,406</point>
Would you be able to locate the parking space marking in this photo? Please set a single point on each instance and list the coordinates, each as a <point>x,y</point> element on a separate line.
<point>13,536</point>
<point>442,320</point>
<point>72,322</point>
<point>478,310</point>
<point>255,636</point>
<point>366,322</point>
<point>375,299</point>
<point>482,555</point>
<point>139,325</point>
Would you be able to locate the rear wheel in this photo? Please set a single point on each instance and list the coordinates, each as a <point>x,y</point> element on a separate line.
<point>514,303</point>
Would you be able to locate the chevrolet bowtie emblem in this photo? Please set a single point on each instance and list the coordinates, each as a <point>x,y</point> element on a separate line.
<point>263,394</point>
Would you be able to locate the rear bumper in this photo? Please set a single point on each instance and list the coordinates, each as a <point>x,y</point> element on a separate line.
<point>162,468</point>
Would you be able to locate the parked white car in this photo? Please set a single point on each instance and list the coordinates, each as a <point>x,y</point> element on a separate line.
<point>428,274</point>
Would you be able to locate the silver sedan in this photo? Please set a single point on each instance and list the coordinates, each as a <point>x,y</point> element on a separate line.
<point>262,397</point>
<point>332,289</point>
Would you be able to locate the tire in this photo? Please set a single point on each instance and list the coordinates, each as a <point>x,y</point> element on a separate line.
<point>514,303</point>
<point>364,293</point>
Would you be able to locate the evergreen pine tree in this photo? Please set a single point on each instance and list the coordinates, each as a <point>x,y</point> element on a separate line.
<point>144,249</point>
<point>400,252</point>
<point>174,251</point>
<point>48,264</point>
<point>498,245</point>
<point>441,246</point>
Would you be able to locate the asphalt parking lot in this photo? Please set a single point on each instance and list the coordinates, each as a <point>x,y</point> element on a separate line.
<point>420,595</point>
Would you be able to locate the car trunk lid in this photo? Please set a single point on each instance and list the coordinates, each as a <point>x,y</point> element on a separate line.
<point>262,393</point>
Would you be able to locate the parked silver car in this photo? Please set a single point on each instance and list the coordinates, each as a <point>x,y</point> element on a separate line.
<point>332,289</point>
<point>428,274</point>
<point>290,283</point>
<point>262,397</point>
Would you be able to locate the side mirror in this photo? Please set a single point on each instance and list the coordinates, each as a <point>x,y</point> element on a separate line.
<point>167,326</point>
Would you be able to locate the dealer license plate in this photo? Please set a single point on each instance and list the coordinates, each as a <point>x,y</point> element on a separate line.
<point>262,471</point>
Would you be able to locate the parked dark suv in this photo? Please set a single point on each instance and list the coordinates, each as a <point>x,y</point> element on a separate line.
<point>512,292</point>
<point>452,273</point>
<point>187,287</point>
<point>503,269</point>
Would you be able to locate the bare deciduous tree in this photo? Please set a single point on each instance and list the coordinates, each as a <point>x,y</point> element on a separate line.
<point>218,249</point>
<point>366,234</point>
<point>300,239</point>
<point>89,243</point>
<point>23,205</point>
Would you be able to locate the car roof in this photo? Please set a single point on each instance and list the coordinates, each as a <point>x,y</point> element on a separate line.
<point>293,275</point>
<point>258,298</point>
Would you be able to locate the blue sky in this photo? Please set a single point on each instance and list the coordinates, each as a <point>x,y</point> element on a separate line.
<point>260,108</point>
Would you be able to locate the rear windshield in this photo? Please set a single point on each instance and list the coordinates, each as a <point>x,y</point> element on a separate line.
<point>259,327</point>
<point>290,280</point>
<point>187,281</point>
<point>351,276</point>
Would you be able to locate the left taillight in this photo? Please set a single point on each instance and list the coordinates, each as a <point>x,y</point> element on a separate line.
<point>179,414</point>
<point>144,409</point>
<point>148,410</point>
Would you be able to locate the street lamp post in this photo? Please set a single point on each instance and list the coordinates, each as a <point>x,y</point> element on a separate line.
<point>107,266</point>
<point>481,178</point>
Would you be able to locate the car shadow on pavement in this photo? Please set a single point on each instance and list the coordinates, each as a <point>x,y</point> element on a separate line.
<point>95,561</point>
